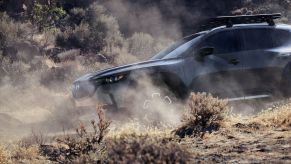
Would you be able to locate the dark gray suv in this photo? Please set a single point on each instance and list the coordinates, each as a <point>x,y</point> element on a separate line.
<point>239,57</point>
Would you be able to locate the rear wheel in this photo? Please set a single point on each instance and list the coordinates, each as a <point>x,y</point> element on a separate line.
<point>286,82</point>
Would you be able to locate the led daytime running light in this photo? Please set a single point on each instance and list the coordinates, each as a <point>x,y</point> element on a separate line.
<point>114,78</point>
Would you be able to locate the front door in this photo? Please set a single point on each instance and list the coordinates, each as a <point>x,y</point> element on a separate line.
<point>220,72</point>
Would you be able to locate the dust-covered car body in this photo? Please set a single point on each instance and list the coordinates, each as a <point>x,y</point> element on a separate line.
<point>227,61</point>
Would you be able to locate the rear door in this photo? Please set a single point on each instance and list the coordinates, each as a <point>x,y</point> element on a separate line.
<point>222,70</point>
<point>262,64</point>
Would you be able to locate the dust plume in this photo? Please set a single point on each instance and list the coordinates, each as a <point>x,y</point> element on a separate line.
<point>151,104</point>
<point>38,99</point>
<point>134,17</point>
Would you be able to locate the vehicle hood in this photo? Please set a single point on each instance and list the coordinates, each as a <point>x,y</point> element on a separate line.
<point>131,67</point>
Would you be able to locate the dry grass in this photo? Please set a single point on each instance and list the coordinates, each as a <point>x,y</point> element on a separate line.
<point>135,127</point>
<point>86,146</point>
<point>203,114</point>
<point>278,117</point>
<point>24,154</point>
<point>146,149</point>
<point>257,137</point>
<point>3,156</point>
<point>132,144</point>
<point>14,153</point>
<point>36,138</point>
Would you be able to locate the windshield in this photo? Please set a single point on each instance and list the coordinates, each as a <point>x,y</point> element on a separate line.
<point>178,48</point>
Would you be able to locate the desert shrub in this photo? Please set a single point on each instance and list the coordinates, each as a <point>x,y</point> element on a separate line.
<point>93,30</point>
<point>13,70</point>
<point>79,37</point>
<point>36,138</point>
<point>141,45</point>
<point>69,4</point>
<point>11,31</point>
<point>124,57</point>
<point>19,153</point>
<point>99,19</point>
<point>85,147</point>
<point>15,41</point>
<point>203,114</point>
<point>144,46</point>
<point>145,149</point>
<point>3,156</point>
<point>77,16</point>
<point>277,117</point>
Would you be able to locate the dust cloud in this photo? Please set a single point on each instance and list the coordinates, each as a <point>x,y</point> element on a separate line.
<point>151,104</point>
<point>29,104</point>
<point>41,100</point>
<point>138,18</point>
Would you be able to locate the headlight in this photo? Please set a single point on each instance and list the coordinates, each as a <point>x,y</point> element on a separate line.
<point>114,79</point>
<point>83,89</point>
<point>109,79</point>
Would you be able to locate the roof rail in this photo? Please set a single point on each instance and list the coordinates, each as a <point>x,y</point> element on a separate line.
<point>229,21</point>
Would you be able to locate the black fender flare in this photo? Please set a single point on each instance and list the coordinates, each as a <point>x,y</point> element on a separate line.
<point>287,69</point>
<point>173,83</point>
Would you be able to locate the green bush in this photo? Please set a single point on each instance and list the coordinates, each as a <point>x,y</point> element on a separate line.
<point>46,16</point>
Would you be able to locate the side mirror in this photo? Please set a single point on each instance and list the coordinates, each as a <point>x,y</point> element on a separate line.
<point>204,51</point>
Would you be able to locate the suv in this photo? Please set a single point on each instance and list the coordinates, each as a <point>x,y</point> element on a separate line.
<point>240,57</point>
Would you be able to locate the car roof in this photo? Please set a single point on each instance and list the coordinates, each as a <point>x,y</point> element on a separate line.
<point>257,25</point>
<point>244,26</point>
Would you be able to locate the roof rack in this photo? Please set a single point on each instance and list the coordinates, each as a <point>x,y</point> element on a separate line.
<point>229,21</point>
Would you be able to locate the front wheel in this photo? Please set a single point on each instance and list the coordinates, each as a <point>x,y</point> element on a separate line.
<point>162,109</point>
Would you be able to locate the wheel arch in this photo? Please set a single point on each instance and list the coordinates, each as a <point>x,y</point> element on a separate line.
<point>285,85</point>
<point>173,83</point>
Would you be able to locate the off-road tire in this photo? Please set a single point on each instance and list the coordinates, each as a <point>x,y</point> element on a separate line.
<point>286,82</point>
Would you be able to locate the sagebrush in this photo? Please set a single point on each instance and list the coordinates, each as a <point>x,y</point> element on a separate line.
<point>203,114</point>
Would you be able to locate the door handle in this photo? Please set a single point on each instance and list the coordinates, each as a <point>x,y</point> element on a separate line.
<point>233,61</point>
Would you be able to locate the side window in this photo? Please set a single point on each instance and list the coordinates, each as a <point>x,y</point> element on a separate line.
<point>257,39</point>
<point>223,42</point>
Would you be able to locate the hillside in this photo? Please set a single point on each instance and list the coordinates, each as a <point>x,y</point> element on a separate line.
<point>47,44</point>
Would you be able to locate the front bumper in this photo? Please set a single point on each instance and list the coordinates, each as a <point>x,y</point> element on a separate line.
<point>109,94</point>
<point>83,89</point>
